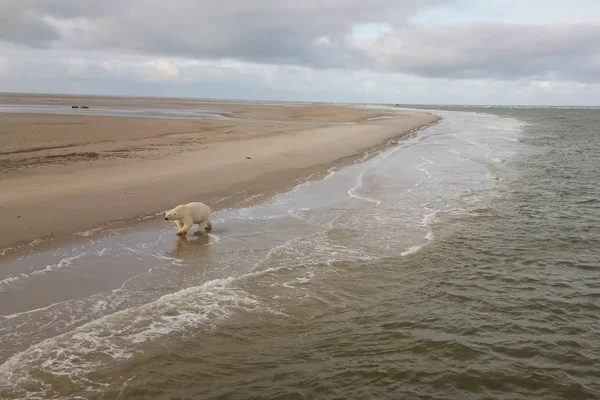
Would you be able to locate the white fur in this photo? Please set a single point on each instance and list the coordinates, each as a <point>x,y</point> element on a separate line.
<point>186,215</point>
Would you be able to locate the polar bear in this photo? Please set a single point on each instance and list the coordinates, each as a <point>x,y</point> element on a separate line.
<point>186,215</point>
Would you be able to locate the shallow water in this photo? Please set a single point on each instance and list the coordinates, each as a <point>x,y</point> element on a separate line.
<point>118,112</point>
<point>461,263</point>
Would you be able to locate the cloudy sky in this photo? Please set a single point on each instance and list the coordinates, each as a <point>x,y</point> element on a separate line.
<point>391,51</point>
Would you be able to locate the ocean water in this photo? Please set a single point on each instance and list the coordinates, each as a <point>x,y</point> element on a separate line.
<point>461,263</point>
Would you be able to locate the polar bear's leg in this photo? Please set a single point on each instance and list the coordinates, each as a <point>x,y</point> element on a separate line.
<point>179,226</point>
<point>187,224</point>
<point>204,225</point>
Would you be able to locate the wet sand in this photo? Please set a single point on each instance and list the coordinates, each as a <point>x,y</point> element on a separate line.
<point>66,173</point>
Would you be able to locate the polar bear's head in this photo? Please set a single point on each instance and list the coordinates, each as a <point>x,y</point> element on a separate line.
<point>171,215</point>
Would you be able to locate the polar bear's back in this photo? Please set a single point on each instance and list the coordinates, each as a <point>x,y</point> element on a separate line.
<point>198,211</point>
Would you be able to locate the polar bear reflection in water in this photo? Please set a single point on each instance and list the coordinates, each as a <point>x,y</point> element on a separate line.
<point>187,215</point>
<point>191,247</point>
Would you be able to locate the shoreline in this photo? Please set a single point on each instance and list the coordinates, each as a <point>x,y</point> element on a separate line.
<point>231,173</point>
<point>241,199</point>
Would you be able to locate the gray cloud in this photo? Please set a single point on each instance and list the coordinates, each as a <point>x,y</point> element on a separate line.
<point>268,31</point>
<point>26,21</point>
<point>19,26</point>
<point>504,51</point>
<point>309,33</point>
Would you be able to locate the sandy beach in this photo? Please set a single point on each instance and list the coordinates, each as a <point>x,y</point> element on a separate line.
<point>66,173</point>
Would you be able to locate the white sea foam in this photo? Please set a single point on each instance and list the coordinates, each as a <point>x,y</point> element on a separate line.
<point>6,250</point>
<point>20,278</point>
<point>427,221</point>
<point>460,156</point>
<point>412,249</point>
<point>353,192</point>
<point>428,174</point>
<point>89,232</point>
<point>115,336</point>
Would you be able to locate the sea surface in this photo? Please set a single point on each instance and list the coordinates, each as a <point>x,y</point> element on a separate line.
<point>461,263</point>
